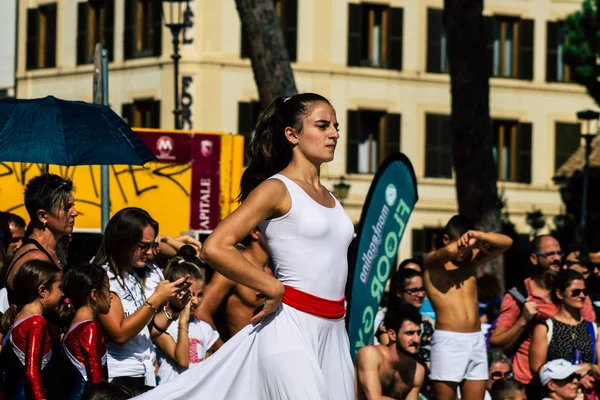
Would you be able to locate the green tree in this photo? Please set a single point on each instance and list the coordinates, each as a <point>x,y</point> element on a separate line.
<point>581,46</point>
<point>269,57</point>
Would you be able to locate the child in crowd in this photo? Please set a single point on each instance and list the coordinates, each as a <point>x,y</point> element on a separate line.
<point>187,340</point>
<point>87,294</point>
<point>26,346</point>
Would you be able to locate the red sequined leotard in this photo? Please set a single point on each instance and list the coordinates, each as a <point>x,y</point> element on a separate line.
<point>26,352</point>
<point>85,348</point>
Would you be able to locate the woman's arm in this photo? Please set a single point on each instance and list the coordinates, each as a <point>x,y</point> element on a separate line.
<point>538,352</point>
<point>270,199</point>
<point>121,329</point>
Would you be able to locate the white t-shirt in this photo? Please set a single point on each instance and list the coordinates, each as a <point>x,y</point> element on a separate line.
<point>201,337</point>
<point>154,276</point>
<point>4,304</point>
<point>136,357</point>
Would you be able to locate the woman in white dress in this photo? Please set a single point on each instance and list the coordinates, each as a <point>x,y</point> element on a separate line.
<point>297,346</point>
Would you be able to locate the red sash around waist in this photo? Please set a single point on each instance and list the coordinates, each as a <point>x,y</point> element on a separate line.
<point>331,309</point>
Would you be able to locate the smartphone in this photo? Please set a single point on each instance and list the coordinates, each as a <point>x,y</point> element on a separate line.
<point>184,287</point>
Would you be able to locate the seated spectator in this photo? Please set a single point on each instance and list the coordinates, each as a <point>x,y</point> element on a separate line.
<point>577,259</point>
<point>499,367</point>
<point>107,391</point>
<point>128,242</point>
<point>17,228</point>
<point>406,287</point>
<point>392,371</point>
<point>566,335</point>
<point>560,380</point>
<point>188,340</point>
<point>508,389</point>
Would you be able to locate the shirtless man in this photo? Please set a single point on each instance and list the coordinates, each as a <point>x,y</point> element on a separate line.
<point>239,301</point>
<point>458,351</point>
<point>391,371</point>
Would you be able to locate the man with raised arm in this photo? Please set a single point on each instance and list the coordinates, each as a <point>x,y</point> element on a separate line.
<point>458,351</point>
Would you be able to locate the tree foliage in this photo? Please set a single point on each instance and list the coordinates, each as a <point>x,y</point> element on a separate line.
<point>581,44</point>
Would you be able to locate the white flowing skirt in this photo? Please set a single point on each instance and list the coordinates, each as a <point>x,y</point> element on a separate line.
<point>291,355</point>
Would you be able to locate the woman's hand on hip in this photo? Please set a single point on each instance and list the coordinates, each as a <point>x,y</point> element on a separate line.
<point>271,303</point>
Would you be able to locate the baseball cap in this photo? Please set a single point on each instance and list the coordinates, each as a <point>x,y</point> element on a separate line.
<point>557,369</point>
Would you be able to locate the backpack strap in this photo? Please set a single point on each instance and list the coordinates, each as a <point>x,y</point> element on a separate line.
<point>550,325</point>
<point>593,330</point>
<point>519,293</point>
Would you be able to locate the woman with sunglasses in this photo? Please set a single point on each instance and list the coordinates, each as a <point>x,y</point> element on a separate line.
<point>567,335</point>
<point>128,242</point>
<point>499,367</point>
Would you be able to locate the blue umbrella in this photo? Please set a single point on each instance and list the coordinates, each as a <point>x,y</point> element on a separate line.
<point>61,132</point>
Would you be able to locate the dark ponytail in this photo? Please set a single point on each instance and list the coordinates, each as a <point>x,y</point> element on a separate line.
<point>26,284</point>
<point>78,283</point>
<point>269,151</point>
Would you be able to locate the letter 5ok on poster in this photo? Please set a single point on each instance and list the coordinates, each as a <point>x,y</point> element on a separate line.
<point>390,201</point>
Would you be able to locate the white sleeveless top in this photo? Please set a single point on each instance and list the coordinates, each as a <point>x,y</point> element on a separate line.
<point>309,244</point>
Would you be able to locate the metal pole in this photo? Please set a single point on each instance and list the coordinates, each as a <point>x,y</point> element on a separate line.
<point>586,177</point>
<point>175,30</point>
<point>104,172</point>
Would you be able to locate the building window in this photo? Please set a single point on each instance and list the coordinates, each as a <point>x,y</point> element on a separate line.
<point>248,113</point>
<point>512,150</point>
<point>556,69</point>
<point>438,146</point>
<point>287,11</point>
<point>375,36</point>
<point>372,136</point>
<point>95,24</point>
<point>424,241</point>
<point>510,47</point>
<point>143,113</point>
<point>567,140</point>
<point>41,37</point>
<point>437,58</point>
<point>143,29</point>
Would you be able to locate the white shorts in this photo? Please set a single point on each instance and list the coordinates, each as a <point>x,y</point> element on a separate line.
<point>458,356</point>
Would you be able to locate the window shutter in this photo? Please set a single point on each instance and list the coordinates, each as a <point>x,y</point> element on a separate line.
<point>352,146</point>
<point>129,29</point>
<point>245,125</point>
<point>82,33</point>
<point>354,34</point>
<point>524,153</point>
<point>51,23</point>
<point>567,141</point>
<point>394,36</point>
<point>289,25</point>
<point>526,49</point>
<point>432,142</point>
<point>155,118</point>
<point>127,113</point>
<point>551,51</point>
<point>446,143</point>
<point>109,28</point>
<point>156,28</point>
<point>418,242</point>
<point>393,135</point>
<point>488,27</point>
<point>32,38</point>
<point>434,43</point>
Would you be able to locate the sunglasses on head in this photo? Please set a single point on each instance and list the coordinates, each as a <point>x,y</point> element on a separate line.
<point>147,246</point>
<point>500,374</point>
<point>577,292</point>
